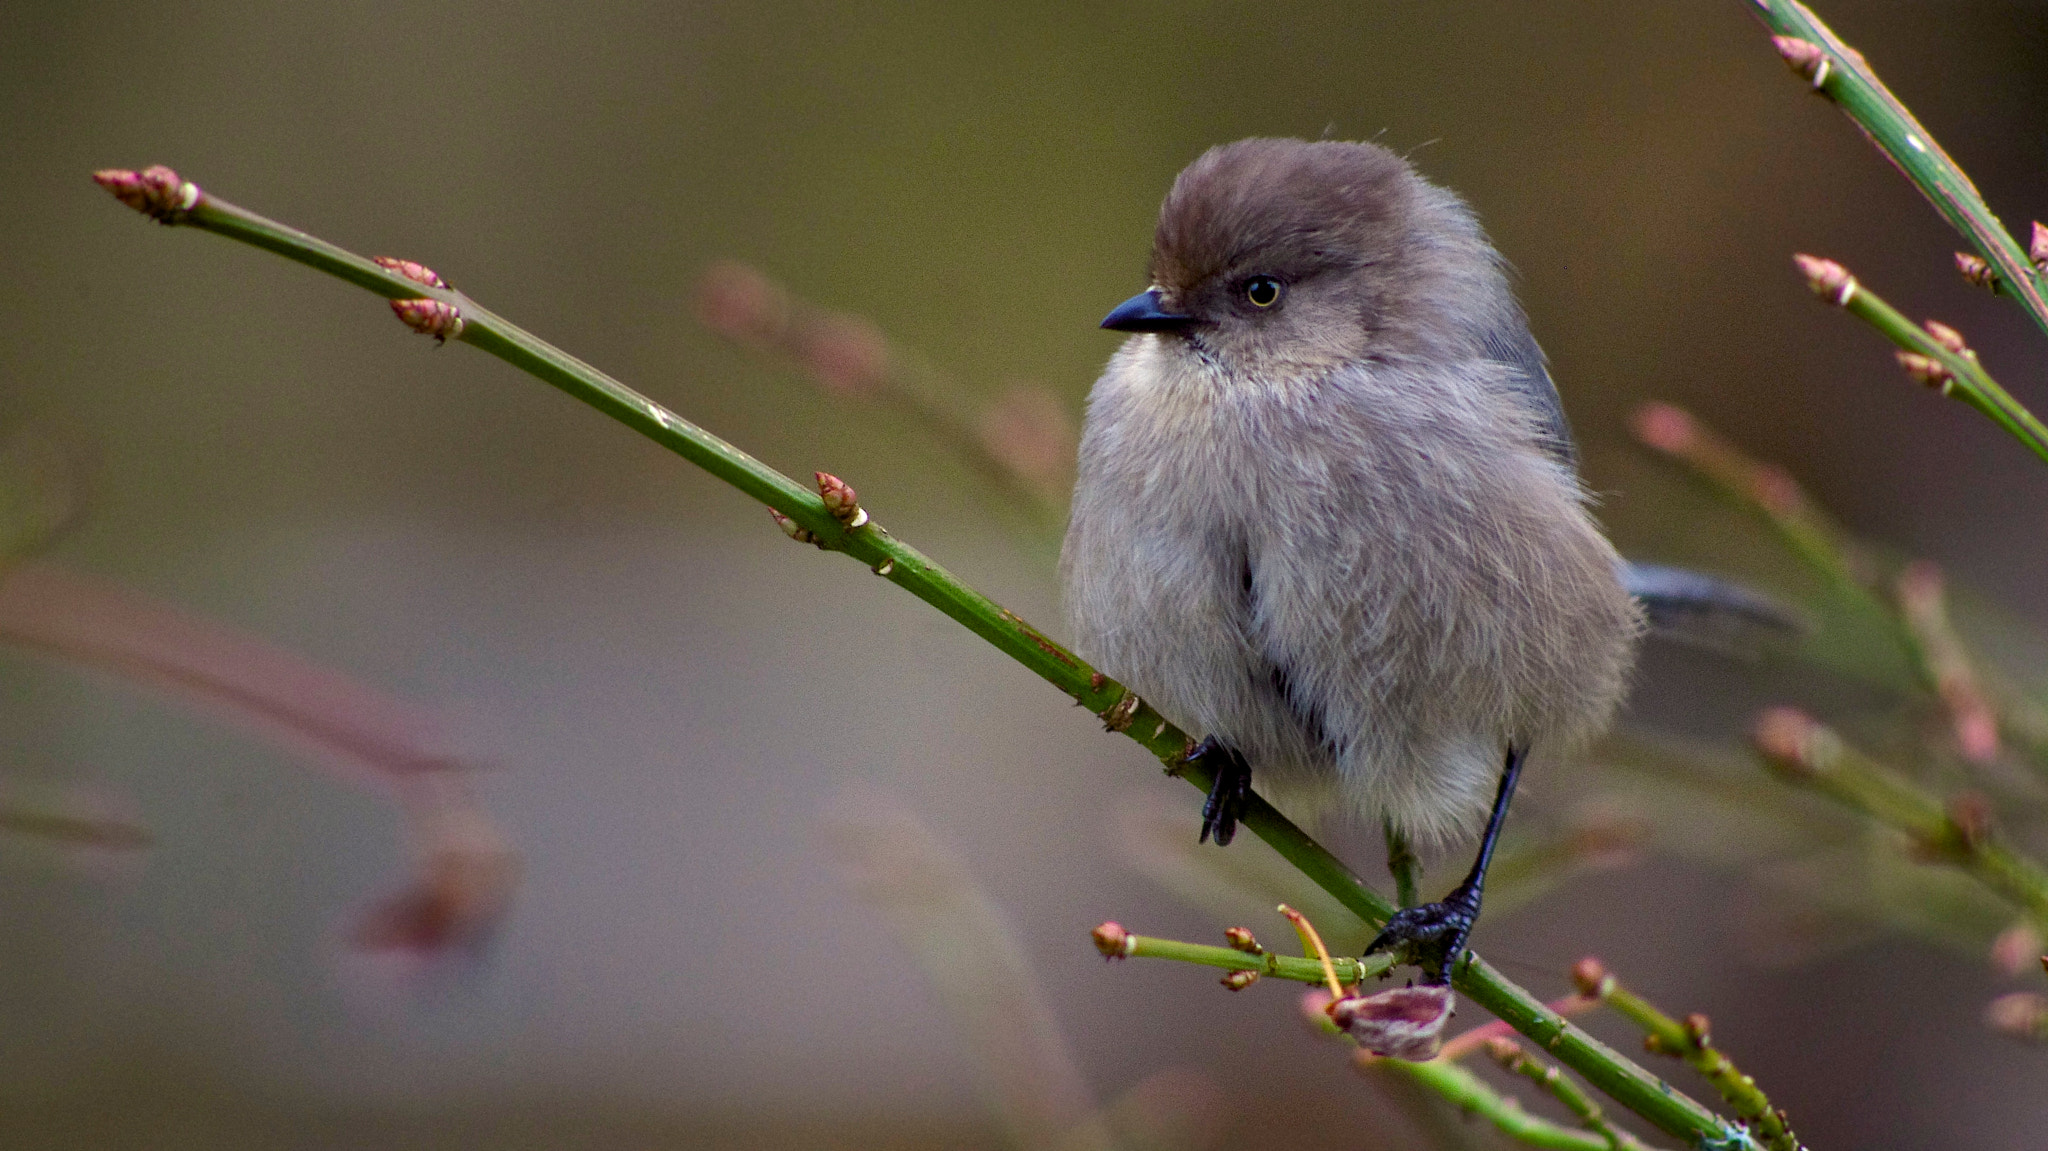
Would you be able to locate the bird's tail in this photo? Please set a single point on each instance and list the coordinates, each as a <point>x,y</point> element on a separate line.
<point>1706,611</point>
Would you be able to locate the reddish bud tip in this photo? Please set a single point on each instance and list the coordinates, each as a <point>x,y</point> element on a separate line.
<point>1399,1023</point>
<point>1030,432</point>
<point>1505,1050</point>
<point>1590,977</point>
<point>1792,740</point>
<point>1240,939</point>
<point>156,191</point>
<point>1805,57</point>
<point>1947,337</point>
<point>2015,948</point>
<point>1113,941</point>
<point>1828,280</point>
<point>740,303</point>
<point>459,898</point>
<point>1977,735</point>
<point>846,354</point>
<point>1774,488</point>
<point>1977,271</point>
<point>1608,840</point>
<point>1666,428</point>
<point>1095,680</point>
<point>1926,369</point>
<point>2022,1015</point>
<point>417,273</point>
<point>1239,980</point>
<point>1699,1030</point>
<point>430,318</point>
<point>840,499</point>
<point>1921,585</point>
<point>2037,246</point>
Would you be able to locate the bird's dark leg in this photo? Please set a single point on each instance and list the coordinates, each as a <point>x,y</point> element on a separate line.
<point>1228,795</point>
<point>1433,935</point>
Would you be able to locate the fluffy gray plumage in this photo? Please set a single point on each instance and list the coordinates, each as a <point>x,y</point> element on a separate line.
<point>1343,533</point>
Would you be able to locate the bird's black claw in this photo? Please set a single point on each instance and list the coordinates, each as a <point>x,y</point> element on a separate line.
<point>1229,795</point>
<point>1431,937</point>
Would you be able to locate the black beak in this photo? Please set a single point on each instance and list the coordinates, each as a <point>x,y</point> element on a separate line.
<point>1142,313</point>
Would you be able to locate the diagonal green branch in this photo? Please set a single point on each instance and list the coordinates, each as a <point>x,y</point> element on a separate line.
<point>1958,833</point>
<point>1692,1042</point>
<point>1936,354</point>
<point>427,304</point>
<point>1840,73</point>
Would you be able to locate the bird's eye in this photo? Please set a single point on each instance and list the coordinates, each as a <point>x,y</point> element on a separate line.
<point>1262,291</point>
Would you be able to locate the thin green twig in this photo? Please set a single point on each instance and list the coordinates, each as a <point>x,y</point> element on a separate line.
<point>1958,832</point>
<point>1691,1042</point>
<point>1403,865</point>
<point>1116,943</point>
<point>1470,1093</point>
<point>1840,73</point>
<point>1908,598</point>
<point>1509,1054</point>
<point>166,197</point>
<point>1936,354</point>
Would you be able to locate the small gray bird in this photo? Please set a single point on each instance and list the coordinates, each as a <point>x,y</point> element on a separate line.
<point>1328,510</point>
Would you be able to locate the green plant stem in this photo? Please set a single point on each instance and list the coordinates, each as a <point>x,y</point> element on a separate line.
<point>1769,491</point>
<point>905,566</point>
<point>1807,752</point>
<point>1854,88</point>
<point>1301,969</point>
<point>1967,380</point>
<point>1401,862</point>
<point>1470,1093</point>
<point>1511,1056</point>
<point>1690,1042</point>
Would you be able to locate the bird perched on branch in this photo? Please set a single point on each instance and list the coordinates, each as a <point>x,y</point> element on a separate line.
<point>1328,510</point>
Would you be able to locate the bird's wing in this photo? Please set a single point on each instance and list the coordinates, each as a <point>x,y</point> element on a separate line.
<point>1512,344</point>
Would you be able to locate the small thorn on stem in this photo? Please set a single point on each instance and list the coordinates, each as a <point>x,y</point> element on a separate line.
<point>1977,271</point>
<point>1829,280</point>
<point>156,191</point>
<point>1118,716</point>
<point>1806,58</point>
<point>430,318</point>
<point>793,529</point>
<point>1113,941</point>
<point>416,272</point>
<point>841,500</point>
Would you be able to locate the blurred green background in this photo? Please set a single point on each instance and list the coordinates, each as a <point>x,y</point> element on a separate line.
<point>671,695</point>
